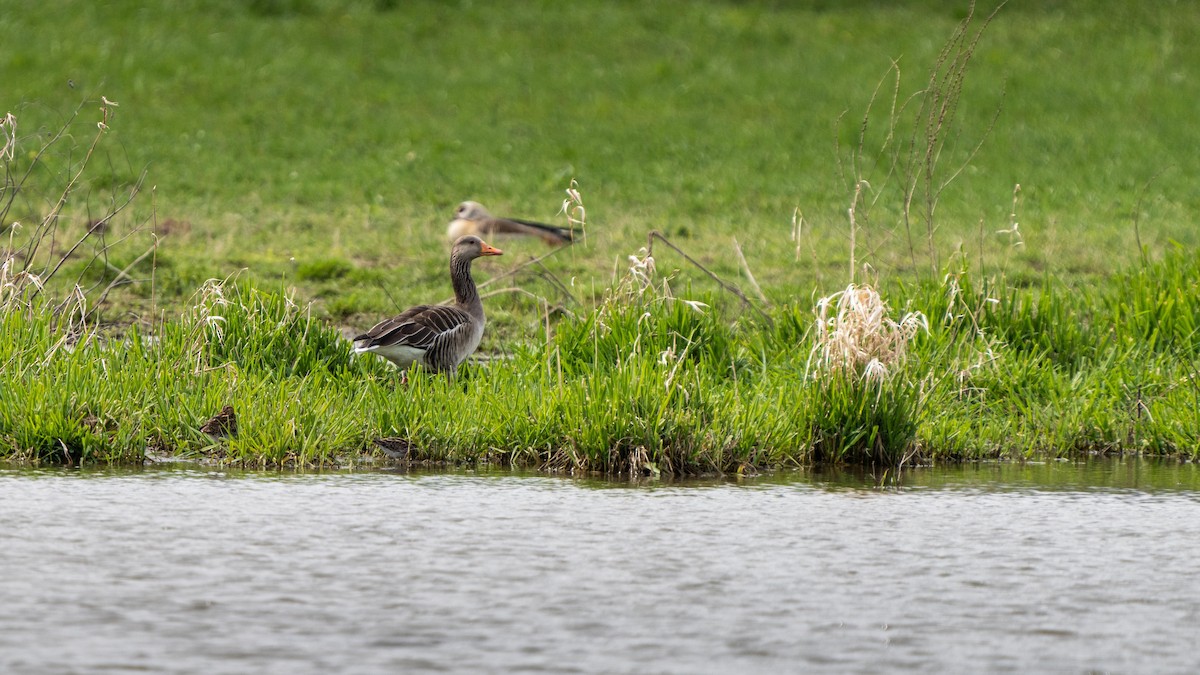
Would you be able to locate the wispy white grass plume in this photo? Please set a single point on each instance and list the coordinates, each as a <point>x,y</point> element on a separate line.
<point>855,334</point>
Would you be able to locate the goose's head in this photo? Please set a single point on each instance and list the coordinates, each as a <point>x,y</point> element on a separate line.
<point>472,211</point>
<point>471,247</point>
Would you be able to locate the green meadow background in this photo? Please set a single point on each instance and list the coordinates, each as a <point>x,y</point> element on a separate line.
<point>324,143</point>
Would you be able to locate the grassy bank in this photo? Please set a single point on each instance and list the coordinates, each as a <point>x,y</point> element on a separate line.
<point>646,383</point>
<point>309,154</point>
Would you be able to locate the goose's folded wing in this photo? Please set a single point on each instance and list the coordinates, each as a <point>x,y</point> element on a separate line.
<point>517,226</point>
<point>417,327</point>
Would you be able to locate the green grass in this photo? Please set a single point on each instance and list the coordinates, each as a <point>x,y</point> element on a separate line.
<point>644,384</point>
<point>319,146</point>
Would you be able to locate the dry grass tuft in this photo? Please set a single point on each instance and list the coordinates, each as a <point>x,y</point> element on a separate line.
<point>573,209</point>
<point>856,335</point>
<point>14,285</point>
<point>8,131</point>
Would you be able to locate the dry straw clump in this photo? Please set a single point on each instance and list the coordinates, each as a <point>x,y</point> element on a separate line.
<point>8,132</point>
<point>14,284</point>
<point>855,334</point>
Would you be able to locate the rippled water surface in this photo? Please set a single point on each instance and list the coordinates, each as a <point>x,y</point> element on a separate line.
<point>1035,568</point>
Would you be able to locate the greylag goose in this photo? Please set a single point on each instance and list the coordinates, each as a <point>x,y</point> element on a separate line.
<point>472,218</point>
<point>438,337</point>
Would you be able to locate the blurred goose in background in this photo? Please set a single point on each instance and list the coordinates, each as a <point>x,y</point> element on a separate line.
<point>438,337</point>
<point>472,218</point>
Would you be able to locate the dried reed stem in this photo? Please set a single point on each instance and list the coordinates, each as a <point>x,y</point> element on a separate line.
<point>749,275</point>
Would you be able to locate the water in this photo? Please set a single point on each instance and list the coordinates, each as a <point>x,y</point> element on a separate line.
<point>1036,568</point>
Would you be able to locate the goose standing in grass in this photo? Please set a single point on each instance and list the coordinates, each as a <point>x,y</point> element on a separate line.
<point>472,218</point>
<point>438,337</point>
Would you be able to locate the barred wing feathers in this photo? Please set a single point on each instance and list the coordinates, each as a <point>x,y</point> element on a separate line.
<point>419,327</point>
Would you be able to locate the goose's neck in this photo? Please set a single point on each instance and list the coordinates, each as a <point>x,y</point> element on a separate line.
<point>465,293</point>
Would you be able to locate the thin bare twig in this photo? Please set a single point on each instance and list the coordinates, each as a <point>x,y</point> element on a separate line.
<point>383,287</point>
<point>655,234</point>
<point>512,272</point>
<point>62,131</point>
<point>532,261</point>
<point>934,122</point>
<point>132,194</point>
<point>750,275</point>
<point>1137,212</point>
<point>124,274</point>
<point>511,289</point>
<point>50,221</point>
<point>553,279</point>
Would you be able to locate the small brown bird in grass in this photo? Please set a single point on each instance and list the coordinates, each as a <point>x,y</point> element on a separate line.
<point>394,446</point>
<point>472,218</point>
<point>222,424</point>
<point>438,337</point>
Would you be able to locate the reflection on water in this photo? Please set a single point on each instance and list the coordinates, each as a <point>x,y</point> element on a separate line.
<point>1059,567</point>
<point>1101,473</point>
